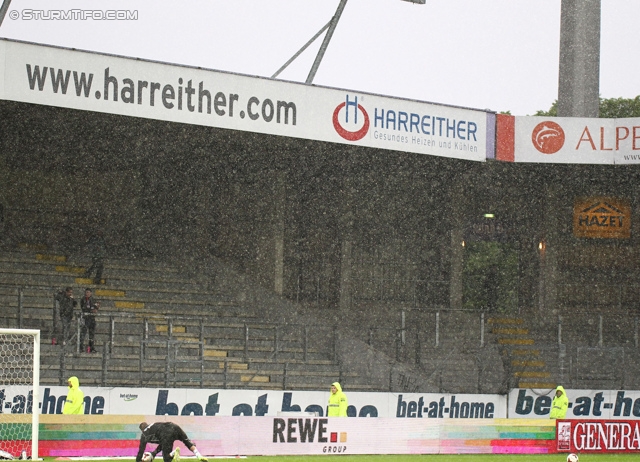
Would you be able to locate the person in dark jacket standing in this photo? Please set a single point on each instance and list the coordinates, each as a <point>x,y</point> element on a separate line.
<point>67,304</point>
<point>98,248</point>
<point>164,434</point>
<point>88,308</point>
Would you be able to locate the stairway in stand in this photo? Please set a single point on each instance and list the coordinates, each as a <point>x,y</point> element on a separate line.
<point>160,327</point>
<point>522,358</point>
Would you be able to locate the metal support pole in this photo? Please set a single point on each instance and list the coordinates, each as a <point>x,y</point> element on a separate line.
<point>325,42</point>
<point>559,330</point>
<point>63,366</point>
<point>78,334</point>
<point>306,343</point>
<point>298,53</point>
<point>201,339</point>
<point>201,367</point>
<point>143,345</point>
<point>275,342</point>
<point>103,377</point>
<point>56,317</point>
<point>167,368</point>
<point>246,343</point>
<point>112,333</point>
<point>298,286</point>
<point>600,331</point>
<point>620,297</point>
<point>20,306</point>
<point>4,9</point>
<point>145,337</point>
<point>284,376</point>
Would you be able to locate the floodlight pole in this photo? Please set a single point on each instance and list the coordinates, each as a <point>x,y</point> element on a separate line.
<point>331,26</point>
<point>325,42</point>
<point>579,68</point>
<point>4,9</point>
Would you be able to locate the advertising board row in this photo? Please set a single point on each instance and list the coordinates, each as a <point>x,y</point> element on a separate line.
<point>104,436</point>
<point>581,436</point>
<point>73,79</point>
<point>519,403</point>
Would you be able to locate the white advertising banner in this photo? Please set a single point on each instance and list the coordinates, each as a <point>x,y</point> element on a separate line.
<point>576,140</point>
<point>94,82</point>
<point>303,435</point>
<point>583,404</point>
<point>102,436</point>
<point>188,401</point>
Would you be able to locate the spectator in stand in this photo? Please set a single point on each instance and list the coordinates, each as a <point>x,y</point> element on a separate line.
<point>74,402</point>
<point>88,307</point>
<point>98,249</point>
<point>164,434</point>
<point>337,402</point>
<point>66,305</point>
<point>559,405</point>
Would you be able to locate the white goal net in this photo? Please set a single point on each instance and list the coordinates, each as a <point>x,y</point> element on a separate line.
<point>19,392</point>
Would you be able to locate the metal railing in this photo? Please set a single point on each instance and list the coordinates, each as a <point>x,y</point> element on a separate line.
<point>415,332</point>
<point>417,292</point>
<point>599,297</point>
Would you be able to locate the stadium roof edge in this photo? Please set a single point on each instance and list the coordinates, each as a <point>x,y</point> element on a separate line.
<point>186,66</point>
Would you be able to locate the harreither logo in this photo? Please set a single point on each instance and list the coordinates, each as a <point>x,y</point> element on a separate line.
<point>548,137</point>
<point>351,115</point>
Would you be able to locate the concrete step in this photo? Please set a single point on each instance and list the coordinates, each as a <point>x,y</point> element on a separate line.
<point>537,384</point>
<point>516,341</point>
<point>509,331</point>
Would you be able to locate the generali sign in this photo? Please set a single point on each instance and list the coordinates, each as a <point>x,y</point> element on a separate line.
<point>598,436</point>
<point>568,140</point>
<point>602,217</point>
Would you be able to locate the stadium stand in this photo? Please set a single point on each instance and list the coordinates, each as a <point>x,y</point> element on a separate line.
<point>158,327</point>
<point>162,325</point>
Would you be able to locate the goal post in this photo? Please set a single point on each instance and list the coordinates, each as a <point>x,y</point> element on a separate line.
<point>19,392</point>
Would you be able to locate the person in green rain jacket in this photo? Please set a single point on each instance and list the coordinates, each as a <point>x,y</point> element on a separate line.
<point>559,405</point>
<point>337,402</point>
<point>75,398</point>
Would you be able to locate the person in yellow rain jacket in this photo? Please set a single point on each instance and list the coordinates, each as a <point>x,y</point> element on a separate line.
<point>337,402</point>
<point>75,398</point>
<point>559,404</point>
